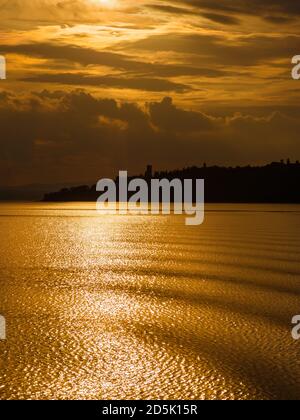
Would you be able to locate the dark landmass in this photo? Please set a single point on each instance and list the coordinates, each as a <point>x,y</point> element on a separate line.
<point>278,182</point>
<point>33,192</point>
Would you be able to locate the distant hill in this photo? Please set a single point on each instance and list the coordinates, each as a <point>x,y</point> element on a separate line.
<point>278,182</point>
<point>34,192</point>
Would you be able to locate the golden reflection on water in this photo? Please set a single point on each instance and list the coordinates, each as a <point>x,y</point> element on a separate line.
<point>129,307</point>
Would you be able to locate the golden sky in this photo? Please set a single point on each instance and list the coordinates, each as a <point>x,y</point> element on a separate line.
<point>94,86</point>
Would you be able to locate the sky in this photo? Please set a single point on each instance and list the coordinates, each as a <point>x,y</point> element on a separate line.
<point>98,86</point>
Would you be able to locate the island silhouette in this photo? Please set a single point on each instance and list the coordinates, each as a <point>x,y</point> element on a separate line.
<point>277,182</point>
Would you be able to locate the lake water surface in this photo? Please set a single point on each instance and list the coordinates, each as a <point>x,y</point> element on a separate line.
<point>144,307</point>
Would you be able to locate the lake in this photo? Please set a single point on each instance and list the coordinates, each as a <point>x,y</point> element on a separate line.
<point>145,307</point>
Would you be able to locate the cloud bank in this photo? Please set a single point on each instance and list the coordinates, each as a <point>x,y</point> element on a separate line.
<point>54,136</point>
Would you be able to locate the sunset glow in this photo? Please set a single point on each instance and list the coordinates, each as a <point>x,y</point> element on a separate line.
<point>106,3</point>
<point>149,203</point>
<point>221,75</point>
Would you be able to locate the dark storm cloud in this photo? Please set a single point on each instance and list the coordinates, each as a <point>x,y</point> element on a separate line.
<point>54,136</point>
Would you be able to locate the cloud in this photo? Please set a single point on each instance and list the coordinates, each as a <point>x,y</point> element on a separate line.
<point>118,61</point>
<point>165,8</point>
<point>224,19</point>
<point>239,51</point>
<point>244,7</point>
<point>168,117</point>
<point>139,83</point>
<point>215,17</point>
<point>26,14</point>
<point>33,13</point>
<point>177,47</point>
<point>54,136</point>
<point>226,64</point>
